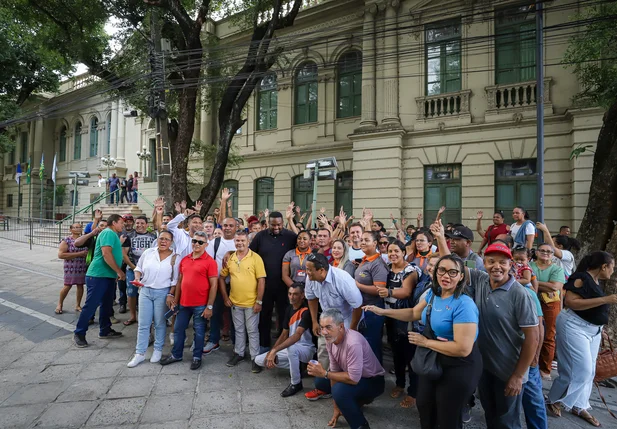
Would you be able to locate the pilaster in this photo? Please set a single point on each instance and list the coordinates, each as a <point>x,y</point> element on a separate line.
<point>390,71</point>
<point>368,68</point>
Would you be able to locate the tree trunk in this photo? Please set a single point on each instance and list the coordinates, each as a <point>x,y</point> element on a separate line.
<point>610,286</point>
<point>182,144</point>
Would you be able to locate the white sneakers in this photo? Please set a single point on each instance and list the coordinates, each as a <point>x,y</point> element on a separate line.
<point>137,359</point>
<point>156,356</point>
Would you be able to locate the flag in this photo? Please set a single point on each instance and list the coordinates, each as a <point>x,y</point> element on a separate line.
<point>42,167</point>
<point>28,173</point>
<point>54,169</point>
<point>18,174</point>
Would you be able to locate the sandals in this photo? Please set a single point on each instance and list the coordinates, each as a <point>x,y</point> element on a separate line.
<point>554,409</point>
<point>225,338</point>
<point>58,311</point>
<point>584,414</point>
<point>396,392</point>
<point>408,402</point>
<point>77,309</point>
<point>129,322</point>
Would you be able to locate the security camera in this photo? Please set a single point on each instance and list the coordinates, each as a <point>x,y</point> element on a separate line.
<point>80,174</point>
<point>130,113</point>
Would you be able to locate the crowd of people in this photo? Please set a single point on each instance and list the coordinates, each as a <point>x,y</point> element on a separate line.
<point>457,322</point>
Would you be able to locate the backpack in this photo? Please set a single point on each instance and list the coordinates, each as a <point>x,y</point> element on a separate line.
<point>217,243</point>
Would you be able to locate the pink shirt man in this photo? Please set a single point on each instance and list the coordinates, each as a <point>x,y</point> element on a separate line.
<point>354,356</point>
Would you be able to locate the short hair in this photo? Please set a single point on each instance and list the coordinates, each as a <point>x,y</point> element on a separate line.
<point>232,218</point>
<point>374,235</point>
<point>356,224</point>
<point>319,260</point>
<point>206,222</point>
<point>521,250</point>
<point>113,218</point>
<point>334,314</point>
<point>298,285</point>
<point>167,232</point>
<point>241,233</point>
<point>193,216</point>
<point>201,234</point>
<point>424,232</point>
<point>142,217</point>
<point>276,215</point>
<point>171,215</point>
<point>563,227</point>
<point>398,244</point>
<point>324,229</point>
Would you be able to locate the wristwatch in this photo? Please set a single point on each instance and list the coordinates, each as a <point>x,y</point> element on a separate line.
<point>259,302</point>
<point>209,307</point>
<point>327,372</point>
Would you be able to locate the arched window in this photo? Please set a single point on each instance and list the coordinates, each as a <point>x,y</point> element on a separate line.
<point>264,194</point>
<point>302,191</point>
<point>350,85</point>
<point>109,134</point>
<point>77,146</point>
<point>344,192</point>
<point>232,185</point>
<point>267,103</point>
<point>306,94</point>
<point>94,137</point>
<point>62,145</point>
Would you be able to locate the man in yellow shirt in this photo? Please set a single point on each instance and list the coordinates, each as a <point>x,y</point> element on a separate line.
<point>247,283</point>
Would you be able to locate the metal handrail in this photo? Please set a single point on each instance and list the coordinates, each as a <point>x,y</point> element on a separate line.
<point>89,206</point>
<point>150,203</point>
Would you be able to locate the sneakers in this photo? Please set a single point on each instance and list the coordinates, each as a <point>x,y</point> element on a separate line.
<point>111,334</point>
<point>210,347</point>
<point>195,364</point>
<point>235,360</point>
<point>137,359</point>
<point>291,390</point>
<point>255,369</point>
<point>169,359</point>
<point>466,414</point>
<point>113,320</point>
<point>80,341</point>
<point>156,356</point>
<point>122,309</point>
<point>316,394</point>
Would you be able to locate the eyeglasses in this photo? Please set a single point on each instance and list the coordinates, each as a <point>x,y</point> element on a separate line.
<point>201,243</point>
<point>452,273</point>
<point>383,243</point>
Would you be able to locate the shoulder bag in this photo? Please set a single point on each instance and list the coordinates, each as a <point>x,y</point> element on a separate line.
<point>606,367</point>
<point>425,361</point>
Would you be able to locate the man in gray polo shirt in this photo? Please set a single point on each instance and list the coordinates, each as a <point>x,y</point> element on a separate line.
<point>508,337</point>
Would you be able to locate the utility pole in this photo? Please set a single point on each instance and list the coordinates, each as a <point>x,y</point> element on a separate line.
<point>540,105</point>
<point>158,111</point>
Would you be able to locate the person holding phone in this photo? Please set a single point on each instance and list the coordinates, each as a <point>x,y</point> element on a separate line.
<point>156,275</point>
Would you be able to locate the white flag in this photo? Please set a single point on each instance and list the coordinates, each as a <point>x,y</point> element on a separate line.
<point>53,170</point>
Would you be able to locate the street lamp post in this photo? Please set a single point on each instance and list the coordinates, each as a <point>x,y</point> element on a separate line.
<point>144,156</point>
<point>109,162</point>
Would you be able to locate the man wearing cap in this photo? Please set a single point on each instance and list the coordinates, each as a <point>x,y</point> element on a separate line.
<point>461,238</point>
<point>129,222</point>
<point>508,337</point>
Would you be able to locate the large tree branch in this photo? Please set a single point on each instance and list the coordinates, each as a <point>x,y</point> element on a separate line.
<point>203,12</point>
<point>179,13</point>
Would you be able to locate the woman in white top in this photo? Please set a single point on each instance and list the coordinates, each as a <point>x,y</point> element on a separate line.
<point>523,230</point>
<point>561,244</point>
<point>156,275</point>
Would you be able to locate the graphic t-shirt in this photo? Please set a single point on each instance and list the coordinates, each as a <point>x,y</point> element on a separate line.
<point>138,244</point>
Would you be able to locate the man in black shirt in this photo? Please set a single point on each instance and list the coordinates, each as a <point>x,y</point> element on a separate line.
<point>272,244</point>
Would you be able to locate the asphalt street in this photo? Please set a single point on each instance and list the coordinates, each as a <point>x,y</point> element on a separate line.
<point>46,382</point>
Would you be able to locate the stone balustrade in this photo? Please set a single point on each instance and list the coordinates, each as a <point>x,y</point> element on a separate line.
<point>452,104</point>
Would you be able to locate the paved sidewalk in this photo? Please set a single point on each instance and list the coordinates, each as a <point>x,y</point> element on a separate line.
<point>46,382</point>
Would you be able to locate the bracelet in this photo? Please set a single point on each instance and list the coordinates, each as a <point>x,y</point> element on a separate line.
<point>173,296</point>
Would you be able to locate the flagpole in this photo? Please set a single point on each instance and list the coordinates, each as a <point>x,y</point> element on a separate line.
<point>18,199</point>
<point>53,176</point>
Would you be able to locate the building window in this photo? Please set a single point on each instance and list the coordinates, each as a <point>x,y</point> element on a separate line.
<point>267,100</point>
<point>20,200</point>
<point>350,84</point>
<point>109,134</point>
<point>9,200</point>
<point>94,137</point>
<point>442,188</point>
<point>302,192</point>
<point>515,40</point>
<point>443,57</point>
<point>264,194</point>
<point>11,159</point>
<point>24,146</point>
<point>232,185</point>
<point>344,192</point>
<point>77,147</point>
<point>63,145</point>
<point>516,184</point>
<point>306,94</point>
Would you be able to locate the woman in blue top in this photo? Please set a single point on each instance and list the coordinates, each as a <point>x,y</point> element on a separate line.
<point>454,321</point>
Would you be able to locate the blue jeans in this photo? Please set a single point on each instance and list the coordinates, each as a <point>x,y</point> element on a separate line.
<point>100,292</point>
<point>131,291</point>
<point>114,194</point>
<point>216,321</point>
<point>350,398</point>
<point>134,196</point>
<point>152,305</point>
<point>182,322</point>
<point>372,329</point>
<point>500,411</point>
<point>533,401</point>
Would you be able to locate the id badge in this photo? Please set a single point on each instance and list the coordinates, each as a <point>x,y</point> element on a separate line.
<point>301,274</point>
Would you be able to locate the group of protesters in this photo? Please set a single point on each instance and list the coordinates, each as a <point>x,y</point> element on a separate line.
<point>339,293</point>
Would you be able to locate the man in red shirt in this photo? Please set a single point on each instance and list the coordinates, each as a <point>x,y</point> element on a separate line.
<point>195,292</point>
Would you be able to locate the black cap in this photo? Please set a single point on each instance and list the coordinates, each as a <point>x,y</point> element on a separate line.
<point>460,231</point>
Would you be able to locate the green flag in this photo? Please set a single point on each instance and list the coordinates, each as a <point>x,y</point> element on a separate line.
<point>42,167</point>
<point>28,172</point>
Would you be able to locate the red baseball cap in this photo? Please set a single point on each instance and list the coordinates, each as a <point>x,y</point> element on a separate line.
<point>498,248</point>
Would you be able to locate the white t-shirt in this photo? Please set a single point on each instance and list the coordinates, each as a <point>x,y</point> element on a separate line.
<point>566,262</point>
<point>355,254</point>
<point>224,247</point>
<point>529,229</point>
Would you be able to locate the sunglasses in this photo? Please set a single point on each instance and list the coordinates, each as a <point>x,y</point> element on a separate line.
<point>201,243</point>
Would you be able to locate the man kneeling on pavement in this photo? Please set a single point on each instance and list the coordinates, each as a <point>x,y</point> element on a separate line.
<point>295,345</point>
<point>355,377</point>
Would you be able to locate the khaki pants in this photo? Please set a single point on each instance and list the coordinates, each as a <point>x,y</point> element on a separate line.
<point>322,352</point>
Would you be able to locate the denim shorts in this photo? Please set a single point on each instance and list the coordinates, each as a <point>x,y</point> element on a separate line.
<point>131,291</point>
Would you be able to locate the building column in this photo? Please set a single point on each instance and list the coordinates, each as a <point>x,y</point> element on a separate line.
<point>120,150</point>
<point>38,145</point>
<point>113,139</point>
<point>391,94</point>
<point>368,68</point>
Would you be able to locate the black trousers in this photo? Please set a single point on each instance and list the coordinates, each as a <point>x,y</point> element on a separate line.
<point>440,402</point>
<point>402,354</point>
<point>275,297</point>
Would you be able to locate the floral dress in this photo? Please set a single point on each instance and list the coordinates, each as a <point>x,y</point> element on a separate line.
<point>74,269</point>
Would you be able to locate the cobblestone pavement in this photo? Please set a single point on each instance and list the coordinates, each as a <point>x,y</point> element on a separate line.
<point>46,382</point>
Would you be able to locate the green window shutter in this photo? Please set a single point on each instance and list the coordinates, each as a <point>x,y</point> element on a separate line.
<point>273,108</point>
<point>443,57</point>
<point>515,40</point>
<point>94,137</point>
<point>62,145</point>
<point>264,194</point>
<point>312,98</point>
<point>77,147</point>
<point>306,94</point>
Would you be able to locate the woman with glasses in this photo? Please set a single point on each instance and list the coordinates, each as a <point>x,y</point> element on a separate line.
<point>294,261</point>
<point>551,279</point>
<point>156,274</point>
<point>340,257</point>
<point>420,248</point>
<point>454,322</point>
<point>74,266</point>
<point>383,243</point>
<point>371,274</point>
<point>498,230</point>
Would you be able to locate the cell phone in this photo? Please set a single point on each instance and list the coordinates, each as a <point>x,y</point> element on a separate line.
<point>358,260</point>
<point>470,264</point>
<point>136,283</point>
<point>171,313</point>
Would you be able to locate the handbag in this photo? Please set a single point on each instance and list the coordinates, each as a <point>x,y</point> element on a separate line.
<point>425,361</point>
<point>606,367</point>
